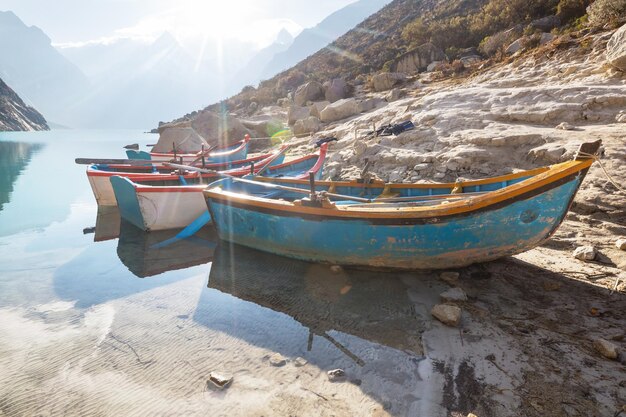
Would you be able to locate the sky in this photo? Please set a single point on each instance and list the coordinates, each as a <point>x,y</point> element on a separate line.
<point>75,22</point>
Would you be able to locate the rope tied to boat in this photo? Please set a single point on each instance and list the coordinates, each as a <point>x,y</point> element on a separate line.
<point>596,158</point>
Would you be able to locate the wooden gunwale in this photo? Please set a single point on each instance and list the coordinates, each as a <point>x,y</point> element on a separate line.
<point>545,179</point>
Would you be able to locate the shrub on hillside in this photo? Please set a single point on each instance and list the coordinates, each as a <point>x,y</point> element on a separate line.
<point>570,10</point>
<point>611,12</point>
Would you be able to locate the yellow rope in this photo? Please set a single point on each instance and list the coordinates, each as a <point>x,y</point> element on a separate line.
<point>608,176</point>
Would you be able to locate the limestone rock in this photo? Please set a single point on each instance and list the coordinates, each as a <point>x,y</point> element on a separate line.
<point>219,380</point>
<point>336,375</point>
<point>394,95</point>
<point>585,253</point>
<point>616,49</point>
<point>369,104</point>
<point>336,269</point>
<point>300,362</point>
<point>310,91</point>
<point>471,59</point>
<point>621,117</point>
<point>277,360</point>
<point>546,24</point>
<point>433,66</point>
<point>283,102</point>
<point>449,277</point>
<point>185,139</point>
<point>335,89</point>
<point>515,46</point>
<point>296,113</point>
<point>218,128</point>
<point>546,38</point>
<point>447,314</point>
<point>621,244</point>
<point>309,125</point>
<point>605,348</point>
<point>565,126</point>
<point>455,294</point>
<point>339,110</point>
<point>317,107</point>
<point>418,59</point>
<point>387,80</point>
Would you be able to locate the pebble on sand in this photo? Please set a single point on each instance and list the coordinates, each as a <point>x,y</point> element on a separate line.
<point>585,253</point>
<point>449,277</point>
<point>455,294</point>
<point>565,126</point>
<point>300,361</point>
<point>621,244</point>
<point>277,360</point>
<point>447,314</point>
<point>335,269</point>
<point>219,380</point>
<point>336,375</point>
<point>605,348</point>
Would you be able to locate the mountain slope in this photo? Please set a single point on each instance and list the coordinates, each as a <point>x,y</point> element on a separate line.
<point>15,115</point>
<point>251,73</point>
<point>37,71</point>
<point>329,29</point>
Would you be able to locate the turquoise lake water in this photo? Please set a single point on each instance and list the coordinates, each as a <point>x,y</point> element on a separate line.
<point>96,321</point>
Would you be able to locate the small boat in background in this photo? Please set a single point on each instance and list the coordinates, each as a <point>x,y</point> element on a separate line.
<point>236,151</point>
<point>168,203</point>
<point>99,175</point>
<point>430,227</point>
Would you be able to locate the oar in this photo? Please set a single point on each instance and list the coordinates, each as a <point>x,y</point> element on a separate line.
<point>268,185</point>
<point>203,153</point>
<point>279,153</point>
<point>205,217</point>
<point>91,161</point>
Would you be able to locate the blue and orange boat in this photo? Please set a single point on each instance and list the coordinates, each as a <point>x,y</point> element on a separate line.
<point>172,202</point>
<point>407,226</point>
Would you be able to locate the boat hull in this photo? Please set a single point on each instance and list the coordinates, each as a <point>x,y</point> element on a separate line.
<point>158,208</point>
<point>510,227</point>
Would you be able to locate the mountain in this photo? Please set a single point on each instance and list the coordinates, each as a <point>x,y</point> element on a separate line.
<point>313,39</point>
<point>251,73</point>
<point>137,84</point>
<point>15,115</point>
<point>37,71</point>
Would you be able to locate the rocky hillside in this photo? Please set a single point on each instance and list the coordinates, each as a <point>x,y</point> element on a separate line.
<point>15,115</point>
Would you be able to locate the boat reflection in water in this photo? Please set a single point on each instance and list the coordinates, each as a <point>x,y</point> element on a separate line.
<point>372,306</point>
<point>148,254</point>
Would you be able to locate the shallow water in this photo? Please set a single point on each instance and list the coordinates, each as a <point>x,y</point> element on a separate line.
<point>94,320</point>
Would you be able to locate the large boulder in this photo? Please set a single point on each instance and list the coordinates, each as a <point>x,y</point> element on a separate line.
<point>616,49</point>
<point>369,104</point>
<point>296,113</point>
<point>517,45</point>
<point>310,91</point>
<point>185,139</point>
<point>335,89</point>
<point>546,24</point>
<point>340,110</point>
<point>418,59</point>
<point>317,107</point>
<point>215,128</point>
<point>263,128</point>
<point>309,125</point>
<point>387,80</point>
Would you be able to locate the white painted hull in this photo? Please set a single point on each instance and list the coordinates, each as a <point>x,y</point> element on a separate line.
<point>102,190</point>
<point>172,209</point>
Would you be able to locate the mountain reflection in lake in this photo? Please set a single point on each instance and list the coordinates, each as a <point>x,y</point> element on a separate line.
<point>14,156</point>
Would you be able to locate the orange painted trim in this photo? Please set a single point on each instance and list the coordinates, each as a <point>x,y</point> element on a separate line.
<point>468,183</point>
<point>547,176</point>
